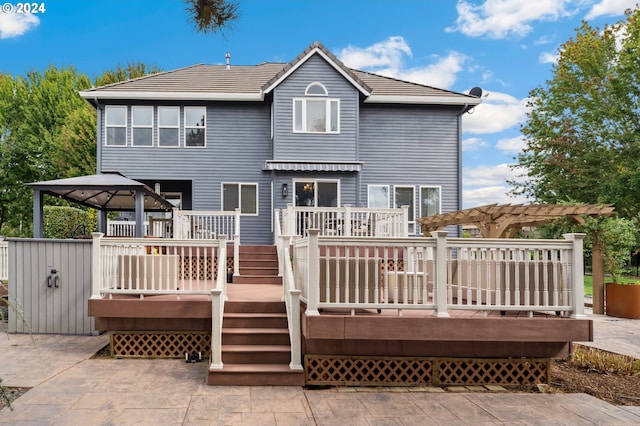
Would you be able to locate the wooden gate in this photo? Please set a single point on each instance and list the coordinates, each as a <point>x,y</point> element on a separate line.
<point>50,281</point>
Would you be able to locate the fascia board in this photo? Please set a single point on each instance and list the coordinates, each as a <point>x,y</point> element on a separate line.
<point>425,100</point>
<point>183,96</point>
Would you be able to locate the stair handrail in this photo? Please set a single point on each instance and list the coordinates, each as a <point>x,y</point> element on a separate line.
<point>218,297</point>
<point>291,297</point>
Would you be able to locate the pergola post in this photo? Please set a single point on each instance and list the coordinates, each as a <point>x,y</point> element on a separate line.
<point>597,274</point>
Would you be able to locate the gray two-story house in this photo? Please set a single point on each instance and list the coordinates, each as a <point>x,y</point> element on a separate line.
<point>312,132</point>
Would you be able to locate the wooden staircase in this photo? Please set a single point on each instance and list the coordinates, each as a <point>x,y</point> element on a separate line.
<point>255,338</point>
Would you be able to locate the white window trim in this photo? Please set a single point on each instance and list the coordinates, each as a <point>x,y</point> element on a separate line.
<point>240,184</point>
<point>138,126</point>
<point>107,126</point>
<point>175,108</point>
<point>439,188</point>
<point>187,128</point>
<point>378,186</point>
<point>327,106</point>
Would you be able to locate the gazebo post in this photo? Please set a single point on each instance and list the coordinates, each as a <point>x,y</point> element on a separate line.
<point>139,213</point>
<point>102,221</point>
<point>38,213</point>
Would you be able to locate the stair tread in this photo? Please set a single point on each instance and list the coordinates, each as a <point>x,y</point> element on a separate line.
<point>256,348</point>
<point>253,330</point>
<point>255,314</point>
<point>256,368</point>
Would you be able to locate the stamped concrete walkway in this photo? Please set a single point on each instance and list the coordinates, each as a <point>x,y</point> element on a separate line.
<point>69,388</point>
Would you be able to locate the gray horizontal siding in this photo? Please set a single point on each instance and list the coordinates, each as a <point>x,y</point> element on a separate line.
<point>410,146</point>
<point>237,144</point>
<point>315,147</point>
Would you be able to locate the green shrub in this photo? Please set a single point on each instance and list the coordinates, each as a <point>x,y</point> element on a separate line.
<point>65,222</point>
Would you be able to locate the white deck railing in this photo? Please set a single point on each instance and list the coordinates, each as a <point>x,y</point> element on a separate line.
<point>346,221</point>
<point>4,259</point>
<point>152,266</point>
<point>440,274</point>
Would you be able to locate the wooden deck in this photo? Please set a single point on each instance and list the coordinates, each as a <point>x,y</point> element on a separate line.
<point>366,332</point>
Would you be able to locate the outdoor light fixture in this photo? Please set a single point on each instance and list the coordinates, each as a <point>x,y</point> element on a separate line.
<point>285,190</point>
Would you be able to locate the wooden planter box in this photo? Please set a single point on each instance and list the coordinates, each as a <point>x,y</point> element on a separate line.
<point>623,300</point>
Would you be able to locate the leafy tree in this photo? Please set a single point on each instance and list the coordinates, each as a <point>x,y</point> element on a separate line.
<point>583,125</point>
<point>125,72</point>
<point>47,131</point>
<point>211,15</point>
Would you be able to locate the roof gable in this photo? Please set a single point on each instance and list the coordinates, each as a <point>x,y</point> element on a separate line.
<point>317,48</point>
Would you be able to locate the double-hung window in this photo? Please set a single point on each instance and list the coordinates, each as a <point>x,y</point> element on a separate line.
<point>316,113</point>
<point>116,125</point>
<point>429,200</point>
<point>168,126</point>
<point>195,126</point>
<point>142,126</point>
<point>378,196</point>
<point>242,195</point>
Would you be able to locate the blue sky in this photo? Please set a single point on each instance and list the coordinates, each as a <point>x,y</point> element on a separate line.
<point>507,47</point>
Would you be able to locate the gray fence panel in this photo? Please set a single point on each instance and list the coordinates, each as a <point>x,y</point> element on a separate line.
<point>51,283</point>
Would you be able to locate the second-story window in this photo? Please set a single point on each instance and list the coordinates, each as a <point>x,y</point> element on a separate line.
<point>168,126</point>
<point>116,124</point>
<point>195,126</point>
<point>142,125</point>
<point>316,113</point>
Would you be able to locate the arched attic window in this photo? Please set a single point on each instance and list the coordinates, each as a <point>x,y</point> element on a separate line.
<point>315,114</point>
<point>316,89</point>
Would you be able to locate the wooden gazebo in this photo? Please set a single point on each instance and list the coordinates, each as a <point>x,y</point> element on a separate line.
<point>506,220</point>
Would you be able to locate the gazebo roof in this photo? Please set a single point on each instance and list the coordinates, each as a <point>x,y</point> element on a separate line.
<point>108,191</point>
<point>505,220</point>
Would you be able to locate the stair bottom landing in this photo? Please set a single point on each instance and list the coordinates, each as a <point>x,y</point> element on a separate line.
<point>255,375</point>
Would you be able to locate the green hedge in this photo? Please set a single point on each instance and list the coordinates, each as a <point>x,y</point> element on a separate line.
<point>62,222</point>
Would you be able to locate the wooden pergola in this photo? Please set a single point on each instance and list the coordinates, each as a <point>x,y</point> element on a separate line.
<point>506,220</point>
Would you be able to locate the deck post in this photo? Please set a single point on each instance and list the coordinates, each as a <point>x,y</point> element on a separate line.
<point>440,280</point>
<point>577,274</point>
<point>216,329</point>
<point>347,221</point>
<point>236,245</point>
<point>405,221</point>
<point>294,326</point>
<point>175,224</point>
<point>96,265</point>
<point>313,274</point>
<point>276,226</point>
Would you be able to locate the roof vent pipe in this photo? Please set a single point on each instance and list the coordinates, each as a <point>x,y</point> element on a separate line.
<point>228,56</point>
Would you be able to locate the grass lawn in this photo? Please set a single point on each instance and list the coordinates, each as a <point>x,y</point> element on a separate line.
<point>588,282</point>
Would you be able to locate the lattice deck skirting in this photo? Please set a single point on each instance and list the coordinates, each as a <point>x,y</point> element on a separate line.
<point>397,371</point>
<point>159,344</point>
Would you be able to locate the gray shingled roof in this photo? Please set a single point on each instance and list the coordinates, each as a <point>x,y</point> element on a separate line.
<point>211,82</point>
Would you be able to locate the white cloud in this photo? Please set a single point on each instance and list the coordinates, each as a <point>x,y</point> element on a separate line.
<point>387,58</point>
<point>473,144</point>
<point>485,184</point>
<point>548,58</point>
<point>16,24</point>
<point>497,112</point>
<point>500,19</point>
<point>386,54</point>
<point>511,145</point>
<point>610,8</point>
